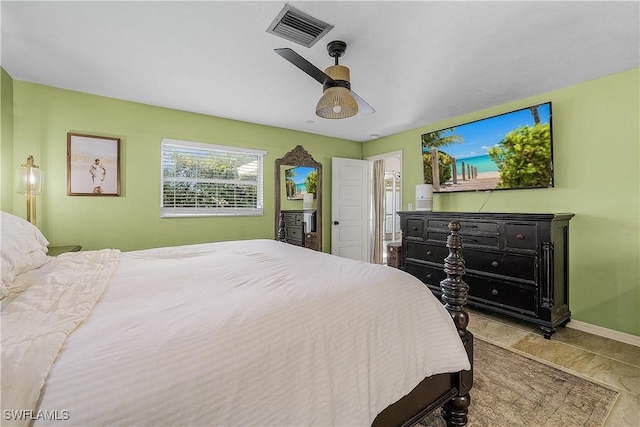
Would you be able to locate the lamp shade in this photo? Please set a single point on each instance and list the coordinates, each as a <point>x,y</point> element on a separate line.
<point>28,181</point>
<point>337,101</point>
<point>29,178</point>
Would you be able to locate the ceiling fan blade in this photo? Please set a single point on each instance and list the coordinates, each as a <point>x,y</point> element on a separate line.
<point>303,64</point>
<point>363,106</point>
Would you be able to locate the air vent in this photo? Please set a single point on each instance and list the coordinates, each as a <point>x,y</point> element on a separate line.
<point>298,27</point>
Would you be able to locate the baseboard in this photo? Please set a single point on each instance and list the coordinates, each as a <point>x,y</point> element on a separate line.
<point>605,332</point>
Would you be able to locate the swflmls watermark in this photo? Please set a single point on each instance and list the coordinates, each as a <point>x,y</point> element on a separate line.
<point>39,415</point>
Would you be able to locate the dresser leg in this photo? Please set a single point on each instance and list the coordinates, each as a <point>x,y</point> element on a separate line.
<point>547,332</point>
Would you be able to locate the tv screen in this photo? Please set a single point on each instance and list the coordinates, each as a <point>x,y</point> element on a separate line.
<point>504,152</point>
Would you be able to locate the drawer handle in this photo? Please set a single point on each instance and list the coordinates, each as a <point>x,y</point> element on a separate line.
<point>495,264</point>
<point>429,253</point>
<point>414,228</point>
<point>471,240</point>
<point>494,292</point>
<point>429,276</point>
<point>520,236</point>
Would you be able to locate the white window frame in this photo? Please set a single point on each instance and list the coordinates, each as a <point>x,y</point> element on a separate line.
<point>177,212</point>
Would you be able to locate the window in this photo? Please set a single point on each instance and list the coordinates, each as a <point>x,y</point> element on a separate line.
<point>207,180</point>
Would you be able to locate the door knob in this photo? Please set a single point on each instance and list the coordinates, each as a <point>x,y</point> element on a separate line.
<point>336,222</point>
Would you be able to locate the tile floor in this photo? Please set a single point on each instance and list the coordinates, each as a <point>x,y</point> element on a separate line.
<point>611,363</point>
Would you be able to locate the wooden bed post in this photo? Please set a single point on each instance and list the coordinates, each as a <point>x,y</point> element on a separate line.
<point>454,296</point>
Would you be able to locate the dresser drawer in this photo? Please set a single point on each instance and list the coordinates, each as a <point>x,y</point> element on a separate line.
<point>294,233</point>
<point>518,266</point>
<point>426,252</point>
<point>490,241</point>
<point>293,219</point>
<point>521,236</point>
<point>465,226</point>
<point>415,228</point>
<point>518,297</point>
<point>429,275</point>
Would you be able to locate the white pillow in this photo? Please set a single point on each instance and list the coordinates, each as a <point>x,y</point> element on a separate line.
<point>22,246</point>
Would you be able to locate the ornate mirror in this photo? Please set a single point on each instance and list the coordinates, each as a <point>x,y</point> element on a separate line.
<point>298,186</point>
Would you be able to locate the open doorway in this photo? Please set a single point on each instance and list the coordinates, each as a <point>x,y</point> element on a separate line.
<point>391,203</point>
<point>391,206</point>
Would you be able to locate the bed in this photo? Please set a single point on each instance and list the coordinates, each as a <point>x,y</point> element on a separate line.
<point>251,332</point>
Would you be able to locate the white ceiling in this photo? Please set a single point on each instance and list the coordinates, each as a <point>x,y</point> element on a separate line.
<point>415,62</point>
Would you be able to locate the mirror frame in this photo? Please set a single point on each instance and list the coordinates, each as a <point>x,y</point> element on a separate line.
<point>299,157</point>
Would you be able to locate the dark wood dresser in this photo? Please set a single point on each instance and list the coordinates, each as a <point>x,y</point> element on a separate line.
<point>516,264</point>
<point>300,228</point>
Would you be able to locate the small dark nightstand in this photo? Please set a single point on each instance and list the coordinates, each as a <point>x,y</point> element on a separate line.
<point>57,250</point>
<point>394,255</point>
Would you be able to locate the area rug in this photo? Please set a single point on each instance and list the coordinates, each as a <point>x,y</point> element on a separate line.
<point>513,390</point>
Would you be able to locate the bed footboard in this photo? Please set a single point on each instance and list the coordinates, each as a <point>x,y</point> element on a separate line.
<point>447,391</point>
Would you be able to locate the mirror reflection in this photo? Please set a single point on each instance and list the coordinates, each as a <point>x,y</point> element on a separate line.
<point>300,182</point>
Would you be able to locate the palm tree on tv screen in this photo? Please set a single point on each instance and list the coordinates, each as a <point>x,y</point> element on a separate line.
<point>437,140</point>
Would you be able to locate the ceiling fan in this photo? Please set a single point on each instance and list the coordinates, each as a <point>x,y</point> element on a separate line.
<point>338,100</point>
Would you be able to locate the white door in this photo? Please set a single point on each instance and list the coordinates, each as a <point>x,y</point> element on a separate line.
<point>349,207</point>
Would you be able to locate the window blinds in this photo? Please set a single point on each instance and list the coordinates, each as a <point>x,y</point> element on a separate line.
<point>201,179</point>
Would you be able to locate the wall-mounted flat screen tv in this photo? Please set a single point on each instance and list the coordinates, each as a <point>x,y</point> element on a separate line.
<point>504,152</point>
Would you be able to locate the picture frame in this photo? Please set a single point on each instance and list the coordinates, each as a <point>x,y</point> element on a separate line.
<point>93,165</point>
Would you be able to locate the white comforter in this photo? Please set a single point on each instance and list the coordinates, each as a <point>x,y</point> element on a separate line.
<point>242,333</point>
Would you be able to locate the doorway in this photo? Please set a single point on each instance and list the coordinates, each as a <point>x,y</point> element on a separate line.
<point>392,203</point>
<point>391,206</point>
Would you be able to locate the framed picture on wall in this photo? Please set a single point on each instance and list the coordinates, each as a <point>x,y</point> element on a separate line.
<point>93,165</point>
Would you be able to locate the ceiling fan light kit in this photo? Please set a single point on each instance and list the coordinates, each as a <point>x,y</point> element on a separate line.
<point>337,101</point>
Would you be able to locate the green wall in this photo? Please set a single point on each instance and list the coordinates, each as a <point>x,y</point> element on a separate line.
<point>42,117</point>
<point>7,166</point>
<point>596,129</point>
